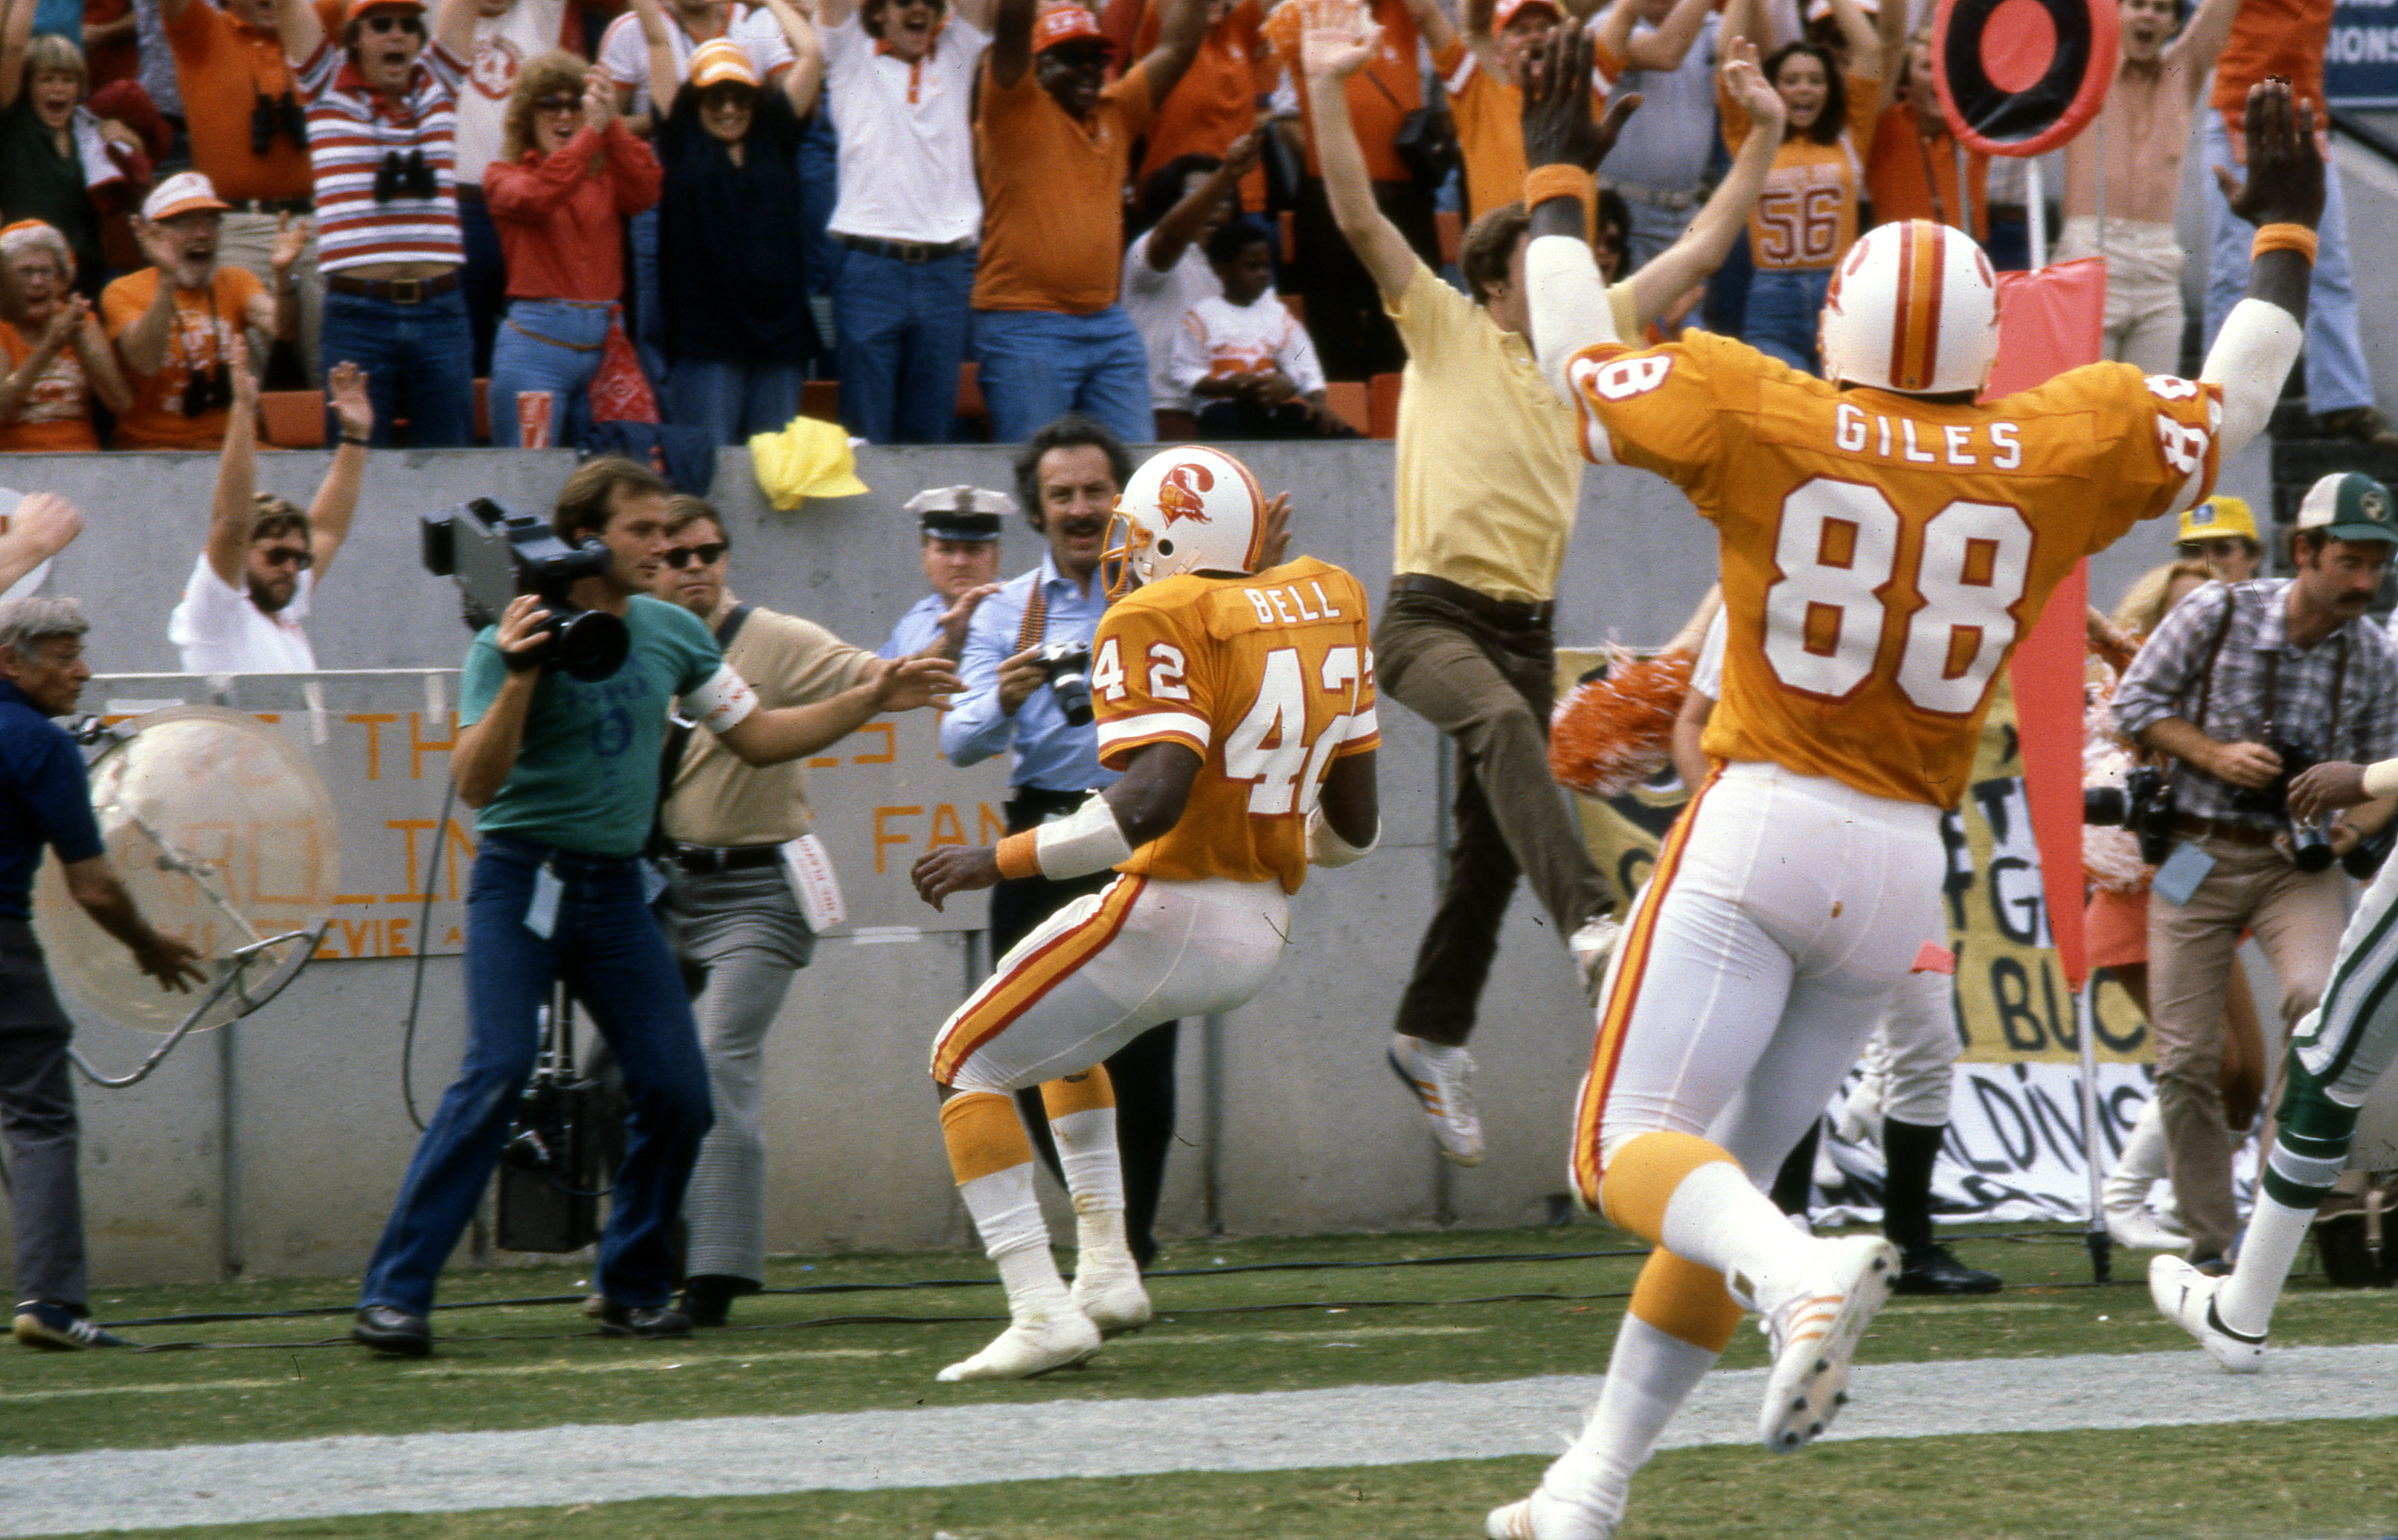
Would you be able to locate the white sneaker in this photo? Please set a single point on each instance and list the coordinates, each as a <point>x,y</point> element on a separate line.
<point>1814,1332</point>
<point>1111,1297</point>
<point>2187,1296</point>
<point>1591,946</point>
<point>1545,1516</point>
<point>1442,1079</point>
<point>1033,1344</point>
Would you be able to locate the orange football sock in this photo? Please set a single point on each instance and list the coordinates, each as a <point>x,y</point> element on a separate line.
<point>1685,1301</point>
<point>1641,1178</point>
<point>984,1136</point>
<point>1088,1092</point>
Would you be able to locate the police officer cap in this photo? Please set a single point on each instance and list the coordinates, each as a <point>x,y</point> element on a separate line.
<point>961,512</point>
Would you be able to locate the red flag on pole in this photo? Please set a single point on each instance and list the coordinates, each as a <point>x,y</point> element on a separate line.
<point>2051,321</point>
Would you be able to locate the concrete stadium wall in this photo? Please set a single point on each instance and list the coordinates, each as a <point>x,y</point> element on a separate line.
<point>274,1147</point>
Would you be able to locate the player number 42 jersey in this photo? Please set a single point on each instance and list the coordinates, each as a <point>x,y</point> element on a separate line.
<point>1883,553</point>
<point>1268,678</point>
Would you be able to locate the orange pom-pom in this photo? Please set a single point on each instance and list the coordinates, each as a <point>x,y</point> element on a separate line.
<point>1611,734</point>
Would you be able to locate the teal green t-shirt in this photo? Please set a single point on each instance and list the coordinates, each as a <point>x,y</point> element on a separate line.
<point>587,777</point>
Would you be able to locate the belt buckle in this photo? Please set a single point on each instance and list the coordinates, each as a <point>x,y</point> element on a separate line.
<point>407,291</point>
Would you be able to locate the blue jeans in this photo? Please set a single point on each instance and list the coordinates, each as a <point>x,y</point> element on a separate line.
<point>735,397</point>
<point>420,364</point>
<point>609,950</point>
<point>648,307</point>
<point>819,191</point>
<point>547,345</point>
<point>1785,313</point>
<point>1039,365</point>
<point>2336,376</point>
<point>901,328</point>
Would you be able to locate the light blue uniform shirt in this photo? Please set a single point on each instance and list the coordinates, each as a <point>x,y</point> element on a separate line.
<point>1049,753</point>
<point>917,630</point>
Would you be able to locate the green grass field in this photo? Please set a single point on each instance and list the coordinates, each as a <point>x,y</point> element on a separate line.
<point>1232,1317</point>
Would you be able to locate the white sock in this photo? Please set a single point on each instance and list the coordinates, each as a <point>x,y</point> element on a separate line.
<point>2245,1301</point>
<point>1087,1154</point>
<point>1015,1236</point>
<point>1717,1218</point>
<point>1648,1376</point>
<point>2142,1162</point>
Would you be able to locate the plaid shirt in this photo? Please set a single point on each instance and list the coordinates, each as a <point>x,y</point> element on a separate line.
<point>2164,680</point>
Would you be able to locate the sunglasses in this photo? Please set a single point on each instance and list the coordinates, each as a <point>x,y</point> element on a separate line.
<point>682,556</point>
<point>558,104</point>
<point>413,26</point>
<point>288,556</point>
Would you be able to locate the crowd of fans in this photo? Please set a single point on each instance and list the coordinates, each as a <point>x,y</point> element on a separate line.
<point>1119,210</point>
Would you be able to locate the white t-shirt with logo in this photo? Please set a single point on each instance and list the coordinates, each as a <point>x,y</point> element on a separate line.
<point>504,43</point>
<point>907,140</point>
<point>220,631</point>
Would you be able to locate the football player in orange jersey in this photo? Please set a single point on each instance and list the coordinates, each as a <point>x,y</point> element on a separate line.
<point>1885,540</point>
<point>1239,704</point>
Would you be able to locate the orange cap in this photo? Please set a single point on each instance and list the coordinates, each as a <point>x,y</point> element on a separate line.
<point>721,60</point>
<point>1507,10</point>
<point>359,8</point>
<point>1066,24</point>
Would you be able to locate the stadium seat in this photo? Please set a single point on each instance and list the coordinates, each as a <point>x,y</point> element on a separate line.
<point>821,399</point>
<point>1296,305</point>
<point>1352,403</point>
<point>1174,425</point>
<point>1288,224</point>
<point>483,410</point>
<point>971,411</point>
<point>1450,225</point>
<point>292,419</point>
<point>1382,406</point>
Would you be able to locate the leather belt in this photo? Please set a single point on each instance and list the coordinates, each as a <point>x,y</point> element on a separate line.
<point>1520,614</point>
<point>1655,197</point>
<point>2223,829</point>
<point>906,251</point>
<point>399,291</point>
<point>709,858</point>
<point>271,205</point>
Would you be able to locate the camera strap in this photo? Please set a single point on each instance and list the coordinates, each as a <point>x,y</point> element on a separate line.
<point>1036,619</point>
<point>2338,687</point>
<point>678,735</point>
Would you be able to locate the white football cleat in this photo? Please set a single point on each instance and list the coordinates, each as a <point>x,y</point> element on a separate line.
<point>1591,946</point>
<point>2187,1296</point>
<point>1545,1515</point>
<point>1814,1332</point>
<point>1034,1342</point>
<point>1441,1078</point>
<point>1112,1298</point>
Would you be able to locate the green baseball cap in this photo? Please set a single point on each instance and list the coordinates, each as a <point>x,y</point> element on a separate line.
<point>2350,506</point>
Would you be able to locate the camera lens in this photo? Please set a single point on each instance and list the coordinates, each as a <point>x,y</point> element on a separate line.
<point>589,645</point>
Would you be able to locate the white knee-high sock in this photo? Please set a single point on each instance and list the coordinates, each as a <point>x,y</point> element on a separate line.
<point>2245,1301</point>
<point>1717,1218</point>
<point>1087,1154</point>
<point>1007,1216</point>
<point>1648,1376</point>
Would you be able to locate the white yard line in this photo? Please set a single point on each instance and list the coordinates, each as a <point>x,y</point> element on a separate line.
<point>1286,1430</point>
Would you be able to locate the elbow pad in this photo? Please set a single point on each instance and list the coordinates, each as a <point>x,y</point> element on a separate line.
<point>1569,305</point>
<point>2251,358</point>
<point>1326,849</point>
<point>1088,839</point>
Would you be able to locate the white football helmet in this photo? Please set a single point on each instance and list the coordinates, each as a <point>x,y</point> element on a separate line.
<point>1914,308</point>
<point>1188,509</point>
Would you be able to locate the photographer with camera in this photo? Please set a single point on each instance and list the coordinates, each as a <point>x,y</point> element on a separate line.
<point>2244,686</point>
<point>561,766</point>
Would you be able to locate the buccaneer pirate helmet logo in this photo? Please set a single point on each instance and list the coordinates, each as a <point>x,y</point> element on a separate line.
<point>1182,493</point>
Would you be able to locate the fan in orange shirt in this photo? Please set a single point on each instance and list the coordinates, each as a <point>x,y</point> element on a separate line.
<point>1237,698</point>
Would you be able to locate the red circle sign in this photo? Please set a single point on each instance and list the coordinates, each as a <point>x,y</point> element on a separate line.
<point>2020,77</point>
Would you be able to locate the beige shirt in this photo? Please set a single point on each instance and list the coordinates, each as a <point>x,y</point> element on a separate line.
<point>1489,474</point>
<point>716,798</point>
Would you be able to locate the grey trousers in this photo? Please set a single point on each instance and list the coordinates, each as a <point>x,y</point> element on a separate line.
<point>37,1125</point>
<point>743,934</point>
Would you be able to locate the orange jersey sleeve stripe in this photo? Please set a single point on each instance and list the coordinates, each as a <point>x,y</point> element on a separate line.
<point>1615,1015</point>
<point>1009,996</point>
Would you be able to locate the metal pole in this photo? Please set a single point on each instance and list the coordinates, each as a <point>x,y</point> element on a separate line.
<point>2086,1020</point>
<point>2035,212</point>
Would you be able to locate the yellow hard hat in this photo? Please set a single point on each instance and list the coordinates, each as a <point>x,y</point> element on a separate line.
<point>2219,517</point>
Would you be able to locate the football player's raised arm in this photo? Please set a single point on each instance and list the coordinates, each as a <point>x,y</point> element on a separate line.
<point>1564,145</point>
<point>2284,197</point>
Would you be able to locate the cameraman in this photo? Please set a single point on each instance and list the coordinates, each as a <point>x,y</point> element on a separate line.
<point>2244,687</point>
<point>1067,476</point>
<point>563,773</point>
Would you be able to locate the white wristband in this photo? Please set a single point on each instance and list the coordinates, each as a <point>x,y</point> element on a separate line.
<point>2381,778</point>
<point>1088,839</point>
<point>723,702</point>
<point>1325,846</point>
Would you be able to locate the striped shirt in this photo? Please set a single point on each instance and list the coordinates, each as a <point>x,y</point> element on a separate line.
<point>349,134</point>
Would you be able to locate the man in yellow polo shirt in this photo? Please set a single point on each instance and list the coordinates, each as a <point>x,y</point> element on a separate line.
<point>1489,478</point>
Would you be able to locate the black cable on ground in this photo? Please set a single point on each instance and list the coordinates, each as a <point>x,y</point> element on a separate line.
<point>424,951</point>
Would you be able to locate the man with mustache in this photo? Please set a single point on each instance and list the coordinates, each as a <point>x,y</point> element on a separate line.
<point>2244,686</point>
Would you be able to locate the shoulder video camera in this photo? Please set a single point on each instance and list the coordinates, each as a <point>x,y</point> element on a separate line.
<point>495,555</point>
